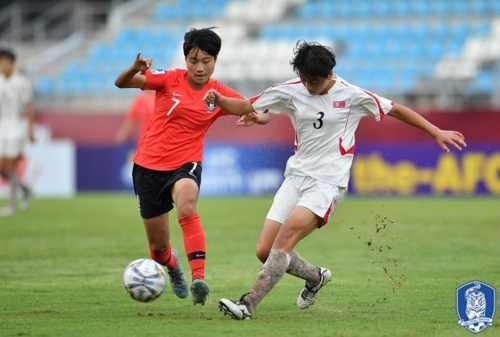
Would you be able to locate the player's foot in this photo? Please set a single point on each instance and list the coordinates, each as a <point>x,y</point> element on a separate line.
<point>308,295</point>
<point>178,281</point>
<point>7,211</point>
<point>199,290</point>
<point>26,199</point>
<point>235,309</point>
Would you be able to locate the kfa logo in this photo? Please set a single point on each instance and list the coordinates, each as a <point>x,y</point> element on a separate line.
<point>211,107</point>
<point>475,306</point>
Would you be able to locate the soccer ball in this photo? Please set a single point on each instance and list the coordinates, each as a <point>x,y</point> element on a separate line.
<point>144,280</point>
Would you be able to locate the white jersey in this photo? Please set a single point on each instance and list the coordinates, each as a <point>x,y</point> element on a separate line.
<point>324,125</point>
<point>15,93</point>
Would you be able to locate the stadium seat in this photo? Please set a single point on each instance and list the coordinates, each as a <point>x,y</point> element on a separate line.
<point>439,7</point>
<point>402,8</point>
<point>45,86</point>
<point>308,10</point>
<point>484,83</point>
<point>360,31</point>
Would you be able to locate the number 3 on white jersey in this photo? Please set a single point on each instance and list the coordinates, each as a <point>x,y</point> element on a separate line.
<point>176,103</point>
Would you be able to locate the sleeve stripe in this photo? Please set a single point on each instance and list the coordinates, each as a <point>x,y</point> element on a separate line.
<point>256,97</point>
<point>380,111</point>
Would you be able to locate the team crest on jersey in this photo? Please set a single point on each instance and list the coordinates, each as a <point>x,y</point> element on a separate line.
<point>211,107</point>
<point>157,71</point>
<point>475,306</point>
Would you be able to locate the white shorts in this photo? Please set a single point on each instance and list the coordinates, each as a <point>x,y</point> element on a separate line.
<point>11,141</point>
<point>319,197</point>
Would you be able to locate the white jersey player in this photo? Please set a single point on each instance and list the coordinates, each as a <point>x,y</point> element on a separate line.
<point>16,125</point>
<point>324,125</point>
<point>15,94</point>
<point>325,111</point>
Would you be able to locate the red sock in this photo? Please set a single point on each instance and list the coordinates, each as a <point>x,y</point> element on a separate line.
<point>194,243</point>
<point>165,258</point>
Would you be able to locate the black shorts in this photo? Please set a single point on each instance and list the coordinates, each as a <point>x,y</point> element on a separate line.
<point>153,189</point>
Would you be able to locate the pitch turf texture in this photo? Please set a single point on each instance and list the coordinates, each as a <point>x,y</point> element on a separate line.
<point>396,264</point>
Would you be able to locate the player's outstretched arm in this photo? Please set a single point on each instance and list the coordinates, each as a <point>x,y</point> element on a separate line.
<point>234,106</point>
<point>253,118</point>
<point>129,77</point>
<point>124,131</point>
<point>442,137</point>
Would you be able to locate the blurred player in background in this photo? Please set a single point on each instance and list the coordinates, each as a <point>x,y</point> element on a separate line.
<point>325,111</point>
<point>138,117</point>
<point>16,124</point>
<point>167,164</point>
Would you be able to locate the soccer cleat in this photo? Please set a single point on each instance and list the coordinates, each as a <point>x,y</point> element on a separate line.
<point>199,290</point>
<point>235,309</point>
<point>7,211</point>
<point>178,281</point>
<point>308,295</point>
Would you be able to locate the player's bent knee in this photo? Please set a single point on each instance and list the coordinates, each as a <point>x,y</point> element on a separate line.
<point>262,254</point>
<point>158,248</point>
<point>186,209</point>
<point>286,241</point>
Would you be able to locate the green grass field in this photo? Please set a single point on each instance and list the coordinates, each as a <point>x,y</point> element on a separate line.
<point>396,265</point>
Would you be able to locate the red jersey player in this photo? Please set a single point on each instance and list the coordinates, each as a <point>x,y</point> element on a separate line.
<point>139,114</point>
<point>167,164</point>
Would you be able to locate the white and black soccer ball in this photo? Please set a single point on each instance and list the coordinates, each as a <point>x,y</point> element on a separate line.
<point>144,280</point>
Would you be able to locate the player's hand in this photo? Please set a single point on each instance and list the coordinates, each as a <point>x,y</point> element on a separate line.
<point>141,63</point>
<point>212,96</point>
<point>453,138</point>
<point>248,119</point>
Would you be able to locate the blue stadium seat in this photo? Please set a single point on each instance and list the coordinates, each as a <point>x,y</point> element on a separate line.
<point>382,9</point>
<point>307,10</point>
<point>125,36</point>
<point>483,83</point>
<point>291,32</point>
<point>402,8</point>
<point>439,7</point>
<point>432,49</point>
<point>325,10</point>
<point>45,86</point>
<point>270,32</point>
<point>374,49</point>
<point>185,9</point>
<point>419,32</point>
<point>480,7</point>
<point>460,7</point>
<point>339,32</point>
<point>355,50</point>
<point>441,30</point>
<point>394,45</point>
<point>459,32</point>
<point>163,12</point>
<point>344,9</point>
<point>420,8</point>
<point>364,9</point>
<point>481,28</point>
